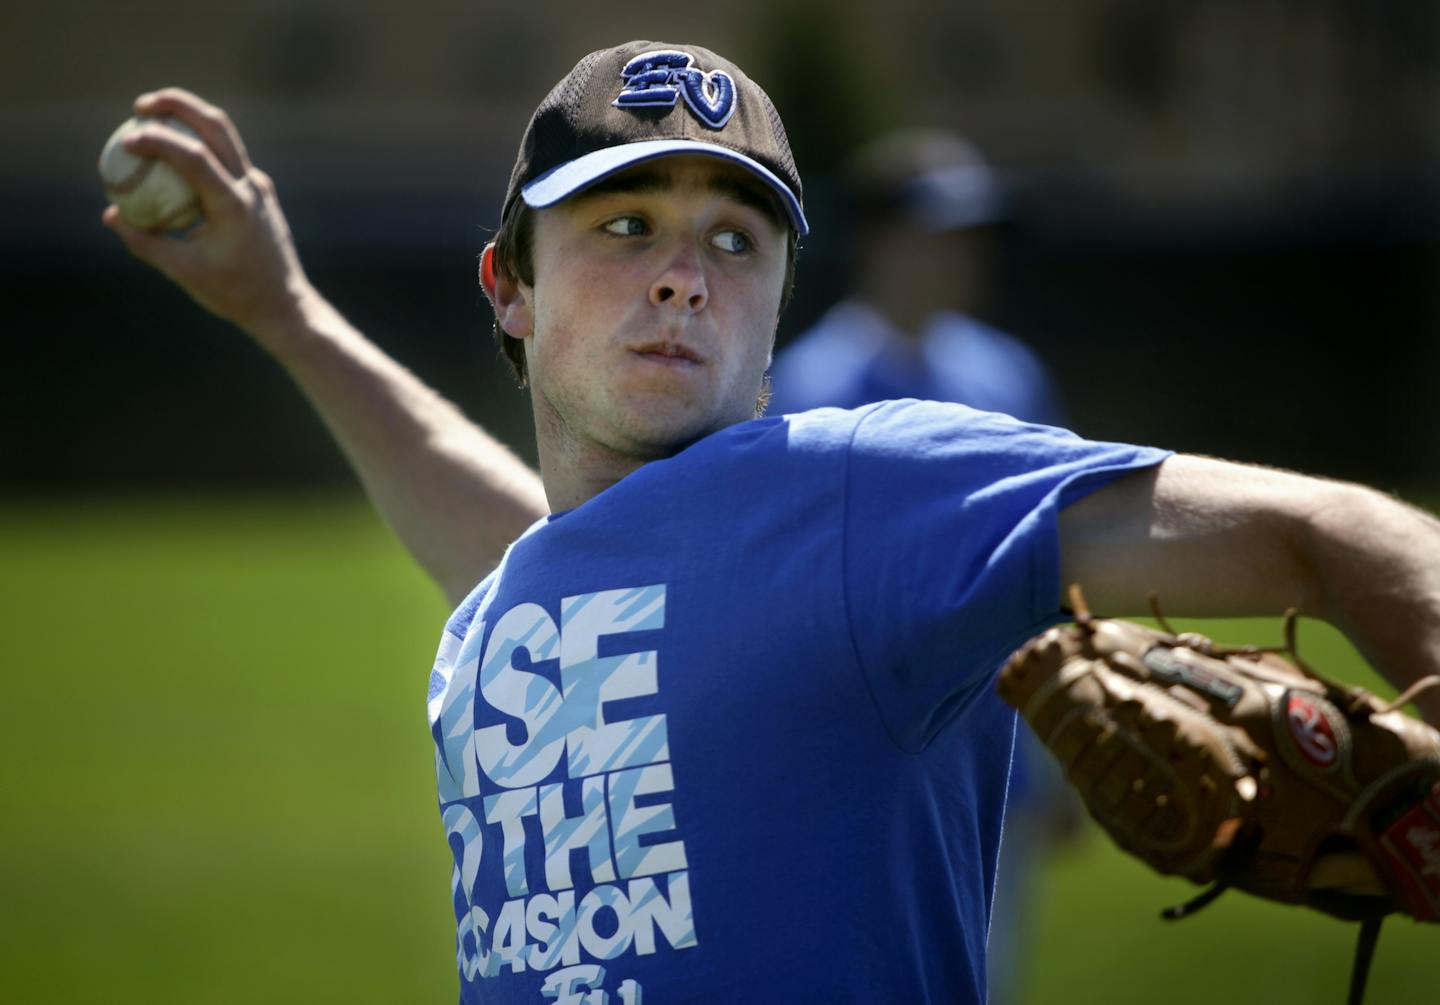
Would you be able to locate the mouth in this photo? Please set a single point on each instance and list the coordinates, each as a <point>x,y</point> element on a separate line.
<point>670,353</point>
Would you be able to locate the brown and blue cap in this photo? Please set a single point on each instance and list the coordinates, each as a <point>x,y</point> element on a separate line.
<point>644,100</point>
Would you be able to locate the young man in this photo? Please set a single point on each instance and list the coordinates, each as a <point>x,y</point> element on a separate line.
<point>723,726</point>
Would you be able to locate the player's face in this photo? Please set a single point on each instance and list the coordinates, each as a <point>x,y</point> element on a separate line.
<point>654,307</point>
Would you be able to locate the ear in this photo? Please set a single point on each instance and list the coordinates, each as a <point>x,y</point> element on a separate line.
<point>509,297</point>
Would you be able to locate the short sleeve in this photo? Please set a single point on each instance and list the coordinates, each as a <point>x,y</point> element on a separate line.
<point>952,555</point>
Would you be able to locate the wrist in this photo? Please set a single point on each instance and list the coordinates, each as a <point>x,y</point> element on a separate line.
<point>291,319</point>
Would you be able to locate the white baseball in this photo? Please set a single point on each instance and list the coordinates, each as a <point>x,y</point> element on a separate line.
<point>148,192</point>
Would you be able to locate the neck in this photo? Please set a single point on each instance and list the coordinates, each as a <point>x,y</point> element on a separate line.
<point>574,470</point>
<point>573,476</point>
<point>905,315</point>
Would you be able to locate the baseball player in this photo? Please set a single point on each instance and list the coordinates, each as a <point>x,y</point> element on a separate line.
<point>722,726</point>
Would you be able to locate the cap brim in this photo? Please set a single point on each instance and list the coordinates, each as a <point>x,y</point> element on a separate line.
<point>953,199</point>
<point>559,183</point>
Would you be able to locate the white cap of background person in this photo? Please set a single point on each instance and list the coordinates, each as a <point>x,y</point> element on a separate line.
<point>930,180</point>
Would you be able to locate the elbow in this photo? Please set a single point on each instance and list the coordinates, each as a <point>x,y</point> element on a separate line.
<point>1345,546</point>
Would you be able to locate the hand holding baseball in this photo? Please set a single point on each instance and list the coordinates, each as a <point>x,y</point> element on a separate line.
<point>237,259</point>
<point>147,191</point>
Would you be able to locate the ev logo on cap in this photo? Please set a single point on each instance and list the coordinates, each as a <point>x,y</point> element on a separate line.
<point>657,79</point>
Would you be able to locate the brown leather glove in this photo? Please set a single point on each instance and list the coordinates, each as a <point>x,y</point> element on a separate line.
<point>1237,767</point>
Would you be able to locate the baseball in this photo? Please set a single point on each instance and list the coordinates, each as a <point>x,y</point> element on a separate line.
<point>147,192</point>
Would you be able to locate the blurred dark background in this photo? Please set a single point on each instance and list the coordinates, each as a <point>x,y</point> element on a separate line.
<point>1229,236</point>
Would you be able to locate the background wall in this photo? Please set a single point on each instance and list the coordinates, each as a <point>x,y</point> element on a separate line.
<point>1230,213</point>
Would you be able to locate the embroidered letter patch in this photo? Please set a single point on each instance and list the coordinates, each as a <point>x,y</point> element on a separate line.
<point>659,78</point>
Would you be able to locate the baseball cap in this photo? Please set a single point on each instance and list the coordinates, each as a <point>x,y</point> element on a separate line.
<point>643,100</point>
<point>929,179</point>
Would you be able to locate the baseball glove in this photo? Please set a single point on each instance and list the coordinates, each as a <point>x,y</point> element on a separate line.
<point>1236,767</point>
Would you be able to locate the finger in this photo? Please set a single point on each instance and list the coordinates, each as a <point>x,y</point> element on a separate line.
<point>209,121</point>
<point>159,250</point>
<point>192,159</point>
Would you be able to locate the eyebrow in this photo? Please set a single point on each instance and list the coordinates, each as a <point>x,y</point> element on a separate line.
<point>741,189</point>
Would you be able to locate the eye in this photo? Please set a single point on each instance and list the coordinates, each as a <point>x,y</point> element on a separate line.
<point>626,226</point>
<point>734,241</point>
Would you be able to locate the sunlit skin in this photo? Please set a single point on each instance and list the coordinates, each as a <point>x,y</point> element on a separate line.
<point>651,321</point>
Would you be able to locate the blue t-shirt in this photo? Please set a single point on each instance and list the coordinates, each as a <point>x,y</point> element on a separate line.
<point>726,732</point>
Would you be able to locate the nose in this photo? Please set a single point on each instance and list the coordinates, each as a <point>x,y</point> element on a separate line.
<point>681,283</point>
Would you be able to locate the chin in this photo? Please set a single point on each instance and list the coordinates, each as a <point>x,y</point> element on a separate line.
<point>663,431</point>
<point>665,441</point>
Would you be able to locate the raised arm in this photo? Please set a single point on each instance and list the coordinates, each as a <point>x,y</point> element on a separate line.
<point>455,495</point>
<point>1223,539</point>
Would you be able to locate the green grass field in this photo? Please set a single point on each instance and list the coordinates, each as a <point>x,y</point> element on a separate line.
<point>218,785</point>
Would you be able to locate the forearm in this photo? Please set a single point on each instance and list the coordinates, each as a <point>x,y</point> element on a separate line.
<point>1217,539</point>
<point>455,496</point>
<point>1377,563</point>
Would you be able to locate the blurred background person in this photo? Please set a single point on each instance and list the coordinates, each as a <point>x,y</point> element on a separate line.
<point>927,215</point>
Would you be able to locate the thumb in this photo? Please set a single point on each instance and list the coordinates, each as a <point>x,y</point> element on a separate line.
<point>157,249</point>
